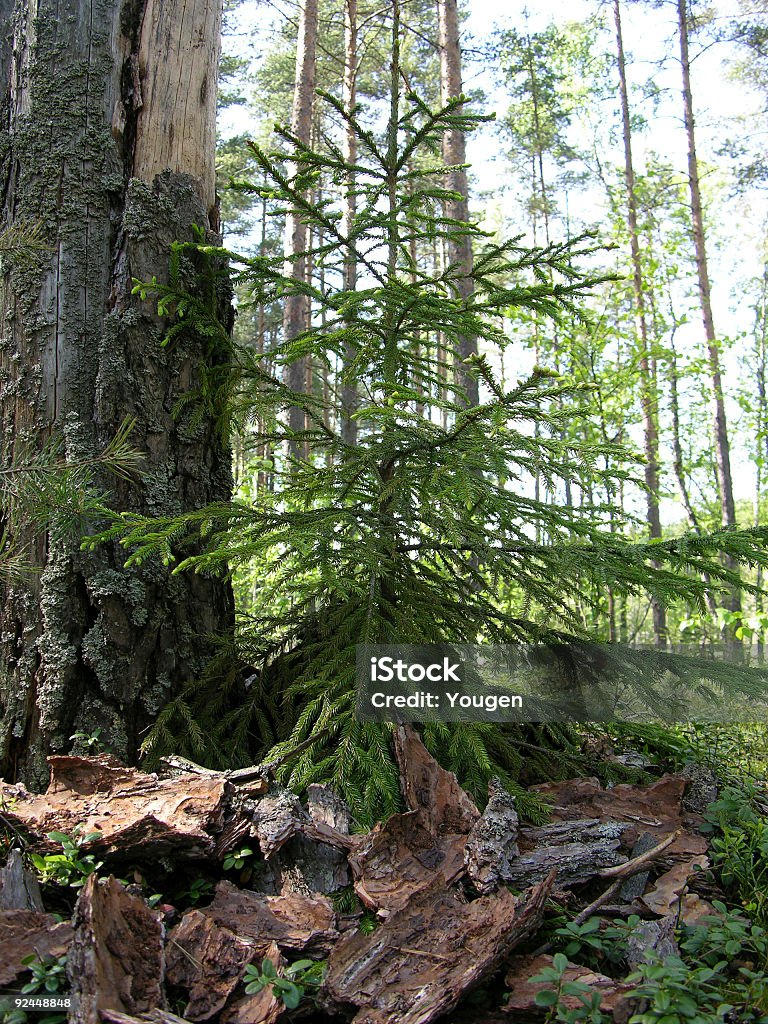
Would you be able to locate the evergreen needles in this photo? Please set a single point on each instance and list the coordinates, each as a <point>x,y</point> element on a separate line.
<point>425,530</point>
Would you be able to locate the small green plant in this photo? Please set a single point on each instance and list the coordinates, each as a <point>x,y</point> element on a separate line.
<point>739,848</point>
<point>558,988</point>
<point>71,867</point>
<point>198,890</point>
<point>91,741</point>
<point>236,859</point>
<point>291,986</point>
<point>725,935</point>
<point>48,977</point>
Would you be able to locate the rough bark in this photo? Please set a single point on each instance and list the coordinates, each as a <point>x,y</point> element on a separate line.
<point>417,965</point>
<point>349,396</point>
<point>87,643</point>
<point>116,960</point>
<point>719,421</point>
<point>297,307</point>
<point>648,390</point>
<point>454,155</point>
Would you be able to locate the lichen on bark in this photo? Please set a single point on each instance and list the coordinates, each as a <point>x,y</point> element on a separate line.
<point>88,643</point>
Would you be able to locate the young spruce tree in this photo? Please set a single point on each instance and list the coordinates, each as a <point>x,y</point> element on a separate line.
<point>410,534</point>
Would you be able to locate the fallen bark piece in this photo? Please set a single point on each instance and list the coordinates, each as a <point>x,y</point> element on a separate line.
<point>664,898</point>
<point>652,937</point>
<point>260,1007</point>
<point>401,858</point>
<point>298,924</point>
<point>423,958</point>
<point>116,958</point>
<point>276,819</point>
<point>326,807</point>
<point>428,789</point>
<point>523,990</point>
<point>492,843</point>
<point>28,932</point>
<point>207,961</point>
<point>137,815</point>
<point>578,849</point>
<point>19,888</point>
<point>635,885</point>
<point>656,808</point>
<point>695,910</point>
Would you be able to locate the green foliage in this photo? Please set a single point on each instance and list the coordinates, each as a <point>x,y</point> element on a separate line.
<point>49,489</point>
<point>236,859</point>
<point>739,847</point>
<point>70,868</point>
<point>48,977</point>
<point>426,530</point>
<point>302,978</point>
<point>558,987</point>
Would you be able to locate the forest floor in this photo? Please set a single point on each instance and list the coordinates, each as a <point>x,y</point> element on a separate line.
<point>212,896</point>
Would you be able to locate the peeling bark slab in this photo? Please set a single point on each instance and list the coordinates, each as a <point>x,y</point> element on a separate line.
<point>138,815</point>
<point>656,808</point>
<point>401,858</point>
<point>23,932</point>
<point>423,958</point>
<point>492,844</point>
<point>207,961</point>
<point>664,898</point>
<point>326,807</point>
<point>523,991</point>
<point>276,819</point>
<point>578,849</point>
<point>19,888</point>
<point>428,789</point>
<point>297,924</point>
<point>116,960</point>
<point>260,1008</point>
<point>652,937</point>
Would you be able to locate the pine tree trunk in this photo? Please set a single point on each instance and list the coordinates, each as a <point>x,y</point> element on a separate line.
<point>96,149</point>
<point>349,397</point>
<point>648,385</point>
<point>719,422</point>
<point>297,308</point>
<point>454,154</point>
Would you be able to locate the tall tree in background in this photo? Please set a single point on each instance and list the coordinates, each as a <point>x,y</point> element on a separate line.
<point>297,306</point>
<point>349,96</point>
<point>648,388</point>
<point>459,244</point>
<point>96,151</point>
<point>719,422</point>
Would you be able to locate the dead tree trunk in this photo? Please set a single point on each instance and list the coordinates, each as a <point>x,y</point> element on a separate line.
<point>107,142</point>
<point>297,307</point>
<point>454,155</point>
<point>648,389</point>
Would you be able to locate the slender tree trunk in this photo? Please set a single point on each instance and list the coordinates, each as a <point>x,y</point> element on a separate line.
<point>455,154</point>
<point>648,384</point>
<point>297,307</point>
<point>719,422</point>
<point>349,396</point>
<point>96,149</point>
